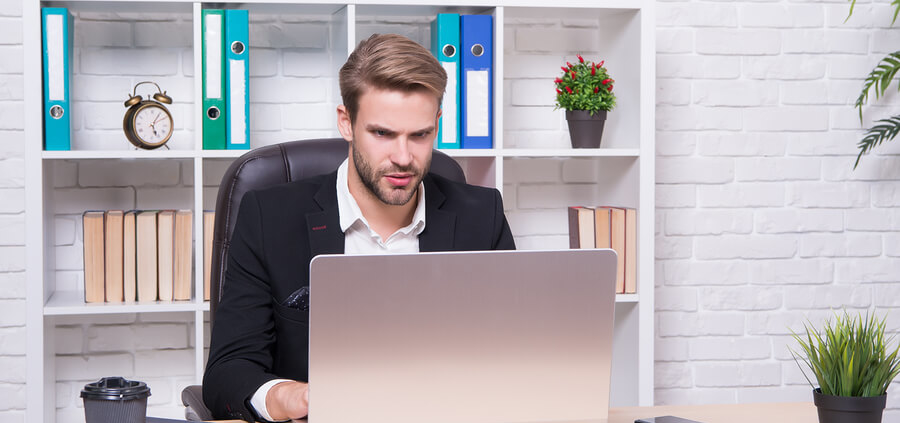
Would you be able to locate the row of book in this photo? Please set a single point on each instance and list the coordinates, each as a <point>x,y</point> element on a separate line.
<point>226,73</point>
<point>142,255</point>
<point>464,45</point>
<point>608,227</point>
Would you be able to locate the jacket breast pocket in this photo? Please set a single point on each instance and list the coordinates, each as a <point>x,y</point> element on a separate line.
<point>291,314</point>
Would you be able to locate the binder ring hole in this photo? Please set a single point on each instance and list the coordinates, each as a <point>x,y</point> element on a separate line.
<point>449,50</point>
<point>56,112</point>
<point>213,112</point>
<point>477,50</point>
<point>237,47</point>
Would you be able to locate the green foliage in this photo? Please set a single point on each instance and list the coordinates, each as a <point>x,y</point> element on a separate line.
<point>851,360</point>
<point>585,86</point>
<point>877,134</point>
<point>880,78</point>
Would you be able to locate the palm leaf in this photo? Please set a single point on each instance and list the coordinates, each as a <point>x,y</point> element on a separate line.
<point>886,131</point>
<point>880,77</point>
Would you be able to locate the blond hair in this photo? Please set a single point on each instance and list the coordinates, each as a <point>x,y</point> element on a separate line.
<point>390,62</point>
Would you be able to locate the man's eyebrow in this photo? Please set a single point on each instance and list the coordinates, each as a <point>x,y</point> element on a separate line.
<point>373,127</point>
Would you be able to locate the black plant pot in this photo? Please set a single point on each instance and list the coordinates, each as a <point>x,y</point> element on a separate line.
<point>584,129</point>
<point>834,409</point>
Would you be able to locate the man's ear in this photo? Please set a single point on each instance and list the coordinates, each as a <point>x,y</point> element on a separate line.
<point>344,124</point>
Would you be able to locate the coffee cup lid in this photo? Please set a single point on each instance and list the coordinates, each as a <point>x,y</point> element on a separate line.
<point>115,388</point>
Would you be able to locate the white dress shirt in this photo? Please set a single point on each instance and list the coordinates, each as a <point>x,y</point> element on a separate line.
<point>359,238</point>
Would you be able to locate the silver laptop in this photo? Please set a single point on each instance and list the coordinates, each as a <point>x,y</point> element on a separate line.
<point>489,337</point>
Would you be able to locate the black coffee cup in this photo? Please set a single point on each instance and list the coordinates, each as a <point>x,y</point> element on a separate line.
<point>115,400</point>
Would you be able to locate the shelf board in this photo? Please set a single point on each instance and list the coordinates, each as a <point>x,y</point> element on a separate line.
<point>628,298</point>
<point>119,154</point>
<point>570,152</point>
<point>222,154</point>
<point>67,303</point>
<point>473,152</point>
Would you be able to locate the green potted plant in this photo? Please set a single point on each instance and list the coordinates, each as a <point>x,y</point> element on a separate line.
<point>853,367</point>
<point>585,91</point>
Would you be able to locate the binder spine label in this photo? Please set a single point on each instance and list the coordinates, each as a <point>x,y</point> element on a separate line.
<point>477,112</point>
<point>448,106</point>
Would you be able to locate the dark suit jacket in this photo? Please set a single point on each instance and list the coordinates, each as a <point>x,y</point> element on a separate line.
<point>278,231</point>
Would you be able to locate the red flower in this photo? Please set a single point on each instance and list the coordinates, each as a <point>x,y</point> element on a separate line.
<point>558,91</point>
<point>563,68</point>
<point>593,71</point>
<point>569,64</point>
<point>606,81</point>
<point>569,89</point>
<point>574,74</point>
<point>609,88</point>
<point>596,90</point>
<point>580,59</point>
<point>601,63</point>
<point>557,80</point>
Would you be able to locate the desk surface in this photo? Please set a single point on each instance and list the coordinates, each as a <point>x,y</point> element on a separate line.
<point>794,412</point>
<point>799,412</point>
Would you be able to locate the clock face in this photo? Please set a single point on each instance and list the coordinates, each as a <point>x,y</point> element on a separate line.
<point>153,124</point>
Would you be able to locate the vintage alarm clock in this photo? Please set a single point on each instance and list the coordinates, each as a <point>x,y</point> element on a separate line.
<point>148,123</point>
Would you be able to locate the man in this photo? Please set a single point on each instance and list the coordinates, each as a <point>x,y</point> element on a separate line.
<point>378,201</point>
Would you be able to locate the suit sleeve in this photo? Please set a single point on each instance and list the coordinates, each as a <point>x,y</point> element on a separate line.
<point>503,238</point>
<point>240,353</point>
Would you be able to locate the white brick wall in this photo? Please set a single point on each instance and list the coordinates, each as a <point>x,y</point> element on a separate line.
<point>12,217</point>
<point>765,224</point>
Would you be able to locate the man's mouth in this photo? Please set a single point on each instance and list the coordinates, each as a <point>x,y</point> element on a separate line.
<point>399,179</point>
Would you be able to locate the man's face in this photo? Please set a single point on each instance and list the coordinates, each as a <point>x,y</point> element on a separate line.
<point>390,142</point>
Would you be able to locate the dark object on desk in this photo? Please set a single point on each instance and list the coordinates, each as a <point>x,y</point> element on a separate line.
<point>665,419</point>
<point>838,409</point>
<point>265,167</point>
<point>115,400</point>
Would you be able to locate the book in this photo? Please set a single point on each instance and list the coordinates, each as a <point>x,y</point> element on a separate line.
<point>114,256</point>
<point>56,40</point>
<point>237,79</point>
<point>146,252</point>
<point>182,255</point>
<point>476,39</point>
<point>445,47</point>
<point>209,219</point>
<point>93,226</point>
<point>630,251</point>
<point>581,227</point>
<point>129,256</point>
<point>165,244</point>
<point>617,243</point>
<point>213,29</point>
<point>602,228</point>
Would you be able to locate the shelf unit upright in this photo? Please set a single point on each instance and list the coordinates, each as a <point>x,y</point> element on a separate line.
<point>531,162</point>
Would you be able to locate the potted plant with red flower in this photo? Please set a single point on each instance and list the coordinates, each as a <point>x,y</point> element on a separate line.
<point>585,91</point>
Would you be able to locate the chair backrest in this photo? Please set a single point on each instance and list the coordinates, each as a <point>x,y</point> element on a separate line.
<point>278,164</point>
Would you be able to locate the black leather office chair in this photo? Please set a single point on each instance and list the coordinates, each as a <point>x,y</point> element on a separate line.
<point>264,167</point>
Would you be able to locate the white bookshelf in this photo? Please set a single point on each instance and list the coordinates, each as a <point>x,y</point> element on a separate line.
<point>622,31</point>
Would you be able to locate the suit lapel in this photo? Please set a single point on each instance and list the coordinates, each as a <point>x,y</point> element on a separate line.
<point>324,227</point>
<point>440,225</point>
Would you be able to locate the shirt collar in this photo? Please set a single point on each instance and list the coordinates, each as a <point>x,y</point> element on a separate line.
<point>349,212</point>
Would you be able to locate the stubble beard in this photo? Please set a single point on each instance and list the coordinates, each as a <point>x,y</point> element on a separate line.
<point>370,177</point>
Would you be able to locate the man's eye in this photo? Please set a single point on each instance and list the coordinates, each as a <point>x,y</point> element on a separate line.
<point>380,133</point>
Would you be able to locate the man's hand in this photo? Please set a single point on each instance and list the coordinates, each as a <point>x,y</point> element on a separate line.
<point>288,400</point>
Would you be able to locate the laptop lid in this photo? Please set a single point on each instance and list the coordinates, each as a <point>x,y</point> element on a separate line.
<point>498,336</point>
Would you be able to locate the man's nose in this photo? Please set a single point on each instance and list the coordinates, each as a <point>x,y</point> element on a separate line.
<point>401,155</point>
